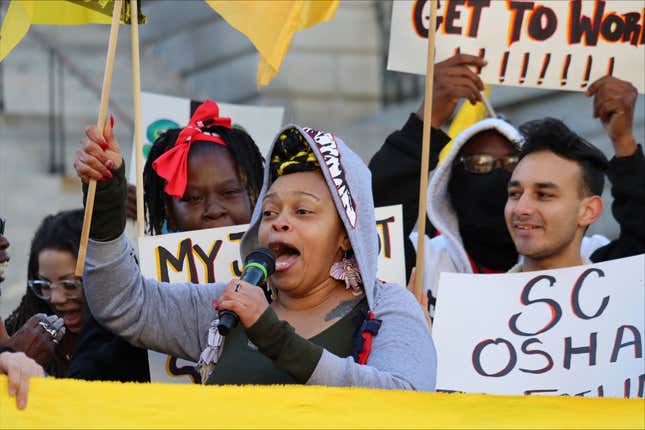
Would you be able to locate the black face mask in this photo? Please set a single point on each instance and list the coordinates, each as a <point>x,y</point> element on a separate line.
<point>479,200</point>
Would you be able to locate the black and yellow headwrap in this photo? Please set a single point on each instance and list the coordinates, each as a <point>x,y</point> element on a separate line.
<point>292,154</point>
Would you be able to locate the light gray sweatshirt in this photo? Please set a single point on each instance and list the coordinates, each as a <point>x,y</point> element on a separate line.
<point>174,318</point>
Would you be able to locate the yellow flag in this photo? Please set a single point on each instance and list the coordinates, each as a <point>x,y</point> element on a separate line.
<point>468,115</point>
<point>270,25</point>
<point>21,14</point>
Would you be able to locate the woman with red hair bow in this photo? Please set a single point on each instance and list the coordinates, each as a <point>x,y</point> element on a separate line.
<point>207,174</point>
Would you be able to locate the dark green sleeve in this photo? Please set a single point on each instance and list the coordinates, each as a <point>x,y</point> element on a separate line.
<point>108,218</point>
<point>278,340</point>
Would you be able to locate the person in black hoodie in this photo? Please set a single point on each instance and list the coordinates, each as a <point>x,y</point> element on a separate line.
<point>396,167</point>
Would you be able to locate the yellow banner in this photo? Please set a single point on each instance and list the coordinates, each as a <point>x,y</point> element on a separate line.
<point>56,403</point>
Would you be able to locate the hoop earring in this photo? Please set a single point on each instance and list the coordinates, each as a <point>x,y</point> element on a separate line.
<point>347,270</point>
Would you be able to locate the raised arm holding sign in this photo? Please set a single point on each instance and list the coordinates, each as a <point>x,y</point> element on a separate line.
<point>398,161</point>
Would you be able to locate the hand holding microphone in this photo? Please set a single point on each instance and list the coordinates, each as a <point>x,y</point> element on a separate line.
<point>258,266</point>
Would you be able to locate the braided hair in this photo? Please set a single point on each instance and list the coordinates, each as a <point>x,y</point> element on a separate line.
<point>292,154</point>
<point>61,232</point>
<point>245,153</point>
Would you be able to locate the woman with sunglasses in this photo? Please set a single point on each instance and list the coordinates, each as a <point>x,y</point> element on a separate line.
<point>466,232</point>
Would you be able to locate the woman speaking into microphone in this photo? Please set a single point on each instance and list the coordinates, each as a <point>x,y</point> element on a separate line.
<point>329,320</point>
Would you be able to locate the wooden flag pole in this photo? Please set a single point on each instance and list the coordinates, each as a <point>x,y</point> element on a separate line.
<point>488,106</point>
<point>425,152</point>
<point>100,123</point>
<point>136,88</point>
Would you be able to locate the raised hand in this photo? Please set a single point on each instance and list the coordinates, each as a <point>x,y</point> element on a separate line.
<point>454,80</point>
<point>614,104</point>
<point>98,154</point>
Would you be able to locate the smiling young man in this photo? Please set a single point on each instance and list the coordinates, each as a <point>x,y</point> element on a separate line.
<point>554,192</point>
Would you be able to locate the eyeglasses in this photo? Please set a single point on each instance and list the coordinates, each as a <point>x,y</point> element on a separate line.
<point>3,223</point>
<point>73,288</point>
<point>485,163</point>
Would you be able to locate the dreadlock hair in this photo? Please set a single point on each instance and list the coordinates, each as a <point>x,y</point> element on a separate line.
<point>245,153</point>
<point>292,154</point>
<point>60,232</point>
<point>550,134</point>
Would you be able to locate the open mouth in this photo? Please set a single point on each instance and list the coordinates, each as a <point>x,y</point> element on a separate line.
<point>71,318</point>
<point>286,255</point>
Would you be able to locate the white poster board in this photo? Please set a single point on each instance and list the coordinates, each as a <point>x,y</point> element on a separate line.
<point>576,331</point>
<point>160,113</point>
<point>212,255</point>
<point>557,44</point>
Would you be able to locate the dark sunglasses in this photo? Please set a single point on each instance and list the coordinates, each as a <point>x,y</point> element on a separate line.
<point>73,288</point>
<point>485,163</point>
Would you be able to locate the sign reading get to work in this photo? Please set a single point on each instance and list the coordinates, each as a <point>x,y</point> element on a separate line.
<point>213,255</point>
<point>576,331</point>
<point>556,44</point>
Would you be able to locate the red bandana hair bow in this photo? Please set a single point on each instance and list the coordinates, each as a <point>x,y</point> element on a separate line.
<point>173,164</point>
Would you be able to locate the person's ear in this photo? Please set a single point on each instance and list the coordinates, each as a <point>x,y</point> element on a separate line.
<point>345,244</point>
<point>171,222</point>
<point>590,210</point>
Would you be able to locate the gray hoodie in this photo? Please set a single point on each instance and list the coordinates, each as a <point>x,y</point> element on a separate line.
<point>174,318</point>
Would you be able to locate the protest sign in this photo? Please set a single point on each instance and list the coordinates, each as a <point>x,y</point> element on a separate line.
<point>573,331</point>
<point>212,255</point>
<point>554,44</point>
<point>160,113</point>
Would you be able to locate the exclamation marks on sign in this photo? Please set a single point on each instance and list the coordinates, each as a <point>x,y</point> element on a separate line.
<point>565,70</point>
<point>457,50</point>
<point>525,67</point>
<point>482,54</point>
<point>610,67</point>
<point>545,66</point>
<point>585,79</point>
<point>502,70</point>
